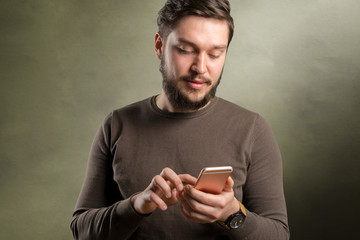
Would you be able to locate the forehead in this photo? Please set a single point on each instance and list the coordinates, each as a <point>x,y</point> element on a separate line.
<point>201,31</point>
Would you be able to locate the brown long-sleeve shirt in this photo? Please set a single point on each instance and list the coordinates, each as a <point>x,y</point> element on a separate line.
<point>136,142</point>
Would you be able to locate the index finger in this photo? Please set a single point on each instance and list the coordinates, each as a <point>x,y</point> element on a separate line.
<point>169,175</point>
<point>188,179</point>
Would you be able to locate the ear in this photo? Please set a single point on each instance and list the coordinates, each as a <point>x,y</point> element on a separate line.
<point>158,45</point>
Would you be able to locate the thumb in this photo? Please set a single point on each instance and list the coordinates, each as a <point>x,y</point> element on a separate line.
<point>229,184</point>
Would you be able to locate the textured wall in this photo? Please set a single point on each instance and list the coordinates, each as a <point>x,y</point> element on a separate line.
<point>65,64</point>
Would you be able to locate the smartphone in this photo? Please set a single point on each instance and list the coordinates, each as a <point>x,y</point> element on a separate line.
<point>212,179</point>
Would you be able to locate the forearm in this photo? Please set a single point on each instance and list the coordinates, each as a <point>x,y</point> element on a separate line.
<point>117,221</point>
<point>263,194</point>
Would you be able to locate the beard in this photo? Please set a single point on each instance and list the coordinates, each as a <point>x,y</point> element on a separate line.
<point>177,98</point>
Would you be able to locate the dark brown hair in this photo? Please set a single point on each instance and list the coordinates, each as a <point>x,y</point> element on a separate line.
<point>174,10</point>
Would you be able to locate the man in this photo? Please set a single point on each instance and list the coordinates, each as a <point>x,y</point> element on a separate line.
<point>140,176</point>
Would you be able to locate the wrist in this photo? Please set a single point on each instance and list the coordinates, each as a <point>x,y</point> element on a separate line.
<point>138,206</point>
<point>235,207</point>
<point>236,219</point>
<point>132,200</point>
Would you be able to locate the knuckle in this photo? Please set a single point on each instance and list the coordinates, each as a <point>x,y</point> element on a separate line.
<point>196,207</point>
<point>165,171</point>
<point>213,216</point>
<point>216,215</point>
<point>222,203</point>
<point>157,178</point>
<point>190,214</point>
<point>156,182</point>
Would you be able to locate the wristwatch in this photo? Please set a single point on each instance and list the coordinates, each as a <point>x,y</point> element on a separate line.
<point>235,220</point>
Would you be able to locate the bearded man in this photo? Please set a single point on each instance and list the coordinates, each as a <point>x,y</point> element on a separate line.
<point>145,157</point>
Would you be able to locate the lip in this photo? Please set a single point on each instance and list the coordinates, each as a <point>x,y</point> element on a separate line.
<point>196,83</point>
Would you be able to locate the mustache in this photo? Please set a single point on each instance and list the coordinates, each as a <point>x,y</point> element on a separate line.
<point>192,77</point>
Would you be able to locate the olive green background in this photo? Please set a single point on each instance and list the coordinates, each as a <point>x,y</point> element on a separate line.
<point>65,64</point>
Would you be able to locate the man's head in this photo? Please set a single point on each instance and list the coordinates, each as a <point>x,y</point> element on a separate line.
<point>174,10</point>
<point>192,44</point>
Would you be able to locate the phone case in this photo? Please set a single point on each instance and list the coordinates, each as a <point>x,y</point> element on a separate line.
<point>212,179</point>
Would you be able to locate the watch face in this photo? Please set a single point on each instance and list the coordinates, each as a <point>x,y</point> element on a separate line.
<point>237,221</point>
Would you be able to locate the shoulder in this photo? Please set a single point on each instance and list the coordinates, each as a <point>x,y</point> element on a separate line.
<point>132,109</point>
<point>128,113</point>
<point>230,109</point>
<point>241,117</point>
<point>114,123</point>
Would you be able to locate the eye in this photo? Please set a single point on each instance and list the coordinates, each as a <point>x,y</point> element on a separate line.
<point>214,56</point>
<point>181,50</point>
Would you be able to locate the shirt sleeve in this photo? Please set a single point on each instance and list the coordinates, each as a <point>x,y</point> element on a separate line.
<point>101,212</point>
<point>263,194</point>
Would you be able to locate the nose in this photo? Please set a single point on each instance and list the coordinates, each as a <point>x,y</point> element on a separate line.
<point>199,65</point>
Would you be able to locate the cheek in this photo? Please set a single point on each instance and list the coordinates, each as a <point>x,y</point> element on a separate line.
<point>181,64</point>
<point>215,69</point>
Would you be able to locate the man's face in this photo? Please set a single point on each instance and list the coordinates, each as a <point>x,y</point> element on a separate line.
<point>192,60</point>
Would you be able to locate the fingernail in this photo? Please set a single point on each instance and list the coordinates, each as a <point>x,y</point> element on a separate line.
<point>180,187</point>
<point>164,207</point>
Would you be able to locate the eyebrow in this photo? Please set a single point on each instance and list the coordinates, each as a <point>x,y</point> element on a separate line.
<point>183,40</point>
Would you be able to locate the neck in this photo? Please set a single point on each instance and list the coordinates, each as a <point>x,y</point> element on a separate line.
<point>164,104</point>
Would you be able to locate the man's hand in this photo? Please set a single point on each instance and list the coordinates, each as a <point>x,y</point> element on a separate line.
<point>201,207</point>
<point>162,192</point>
